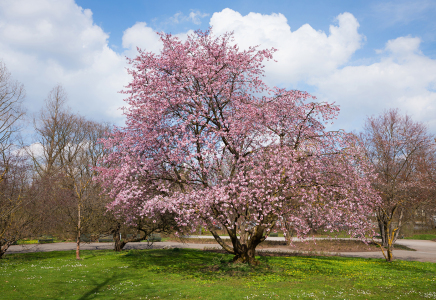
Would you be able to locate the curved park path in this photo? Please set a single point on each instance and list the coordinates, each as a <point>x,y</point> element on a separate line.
<point>425,250</point>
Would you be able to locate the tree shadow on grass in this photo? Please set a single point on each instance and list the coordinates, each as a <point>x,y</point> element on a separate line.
<point>98,287</point>
<point>210,266</point>
<point>191,263</point>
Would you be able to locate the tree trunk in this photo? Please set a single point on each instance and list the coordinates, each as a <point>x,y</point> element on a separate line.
<point>78,245</point>
<point>383,227</point>
<point>246,255</point>
<point>389,232</point>
<point>244,249</point>
<point>246,252</point>
<point>79,229</point>
<point>119,243</point>
<point>390,255</point>
<point>384,240</point>
<point>390,237</point>
<point>3,249</point>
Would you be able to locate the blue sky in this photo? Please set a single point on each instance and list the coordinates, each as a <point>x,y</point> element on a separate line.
<point>366,56</point>
<point>379,20</point>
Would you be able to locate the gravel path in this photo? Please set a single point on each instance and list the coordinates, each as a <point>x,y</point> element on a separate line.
<point>425,250</point>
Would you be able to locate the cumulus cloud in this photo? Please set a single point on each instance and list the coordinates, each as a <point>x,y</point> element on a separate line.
<point>402,78</point>
<point>302,53</point>
<point>145,38</point>
<point>403,47</point>
<point>47,42</point>
<point>34,150</point>
<point>142,36</point>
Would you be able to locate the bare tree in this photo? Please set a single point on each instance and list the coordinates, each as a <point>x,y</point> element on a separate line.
<point>398,148</point>
<point>11,97</point>
<point>79,163</point>
<point>64,156</point>
<point>13,188</point>
<point>426,211</point>
<point>13,168</point>
<point>69,150</point>
<point>55,129</point>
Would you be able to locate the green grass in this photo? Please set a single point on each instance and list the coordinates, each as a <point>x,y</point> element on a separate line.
<point>422,237</point>
<point>35,241</point>
<point>195,274</point>
<point>25,242</point>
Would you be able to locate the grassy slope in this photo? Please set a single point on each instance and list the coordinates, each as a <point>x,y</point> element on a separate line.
<point>194,274</point>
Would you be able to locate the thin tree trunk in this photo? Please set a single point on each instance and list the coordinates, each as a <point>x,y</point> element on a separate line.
<point>398,229</point>
<point>79,229</point>
<point>383,227</point>
<point>391,236</point>
<point>390,255</point>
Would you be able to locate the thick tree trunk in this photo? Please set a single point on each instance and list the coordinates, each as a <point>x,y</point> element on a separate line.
<point>119,243</point>
<point>244,248</point>
<point>3,249</point>
<point>247,255</point>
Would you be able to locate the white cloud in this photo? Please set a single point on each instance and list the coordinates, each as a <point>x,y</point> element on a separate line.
<point>47,42</point>
<point>403,46</point>
<point>302,53</point>
<point>34,150</point>
<point>403,78</point>
<point>142,36</point>
<point>194,17</point>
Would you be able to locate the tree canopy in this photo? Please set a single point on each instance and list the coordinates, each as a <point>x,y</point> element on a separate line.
<point>206,138</point>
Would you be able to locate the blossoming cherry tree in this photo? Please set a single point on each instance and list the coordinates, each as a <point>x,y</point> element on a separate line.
<point>208,140</point>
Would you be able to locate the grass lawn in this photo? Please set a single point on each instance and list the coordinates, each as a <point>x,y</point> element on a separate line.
<point>196,274</point>
<point>35,241</point>
<point>25,242</point>
<point>422,237</point>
